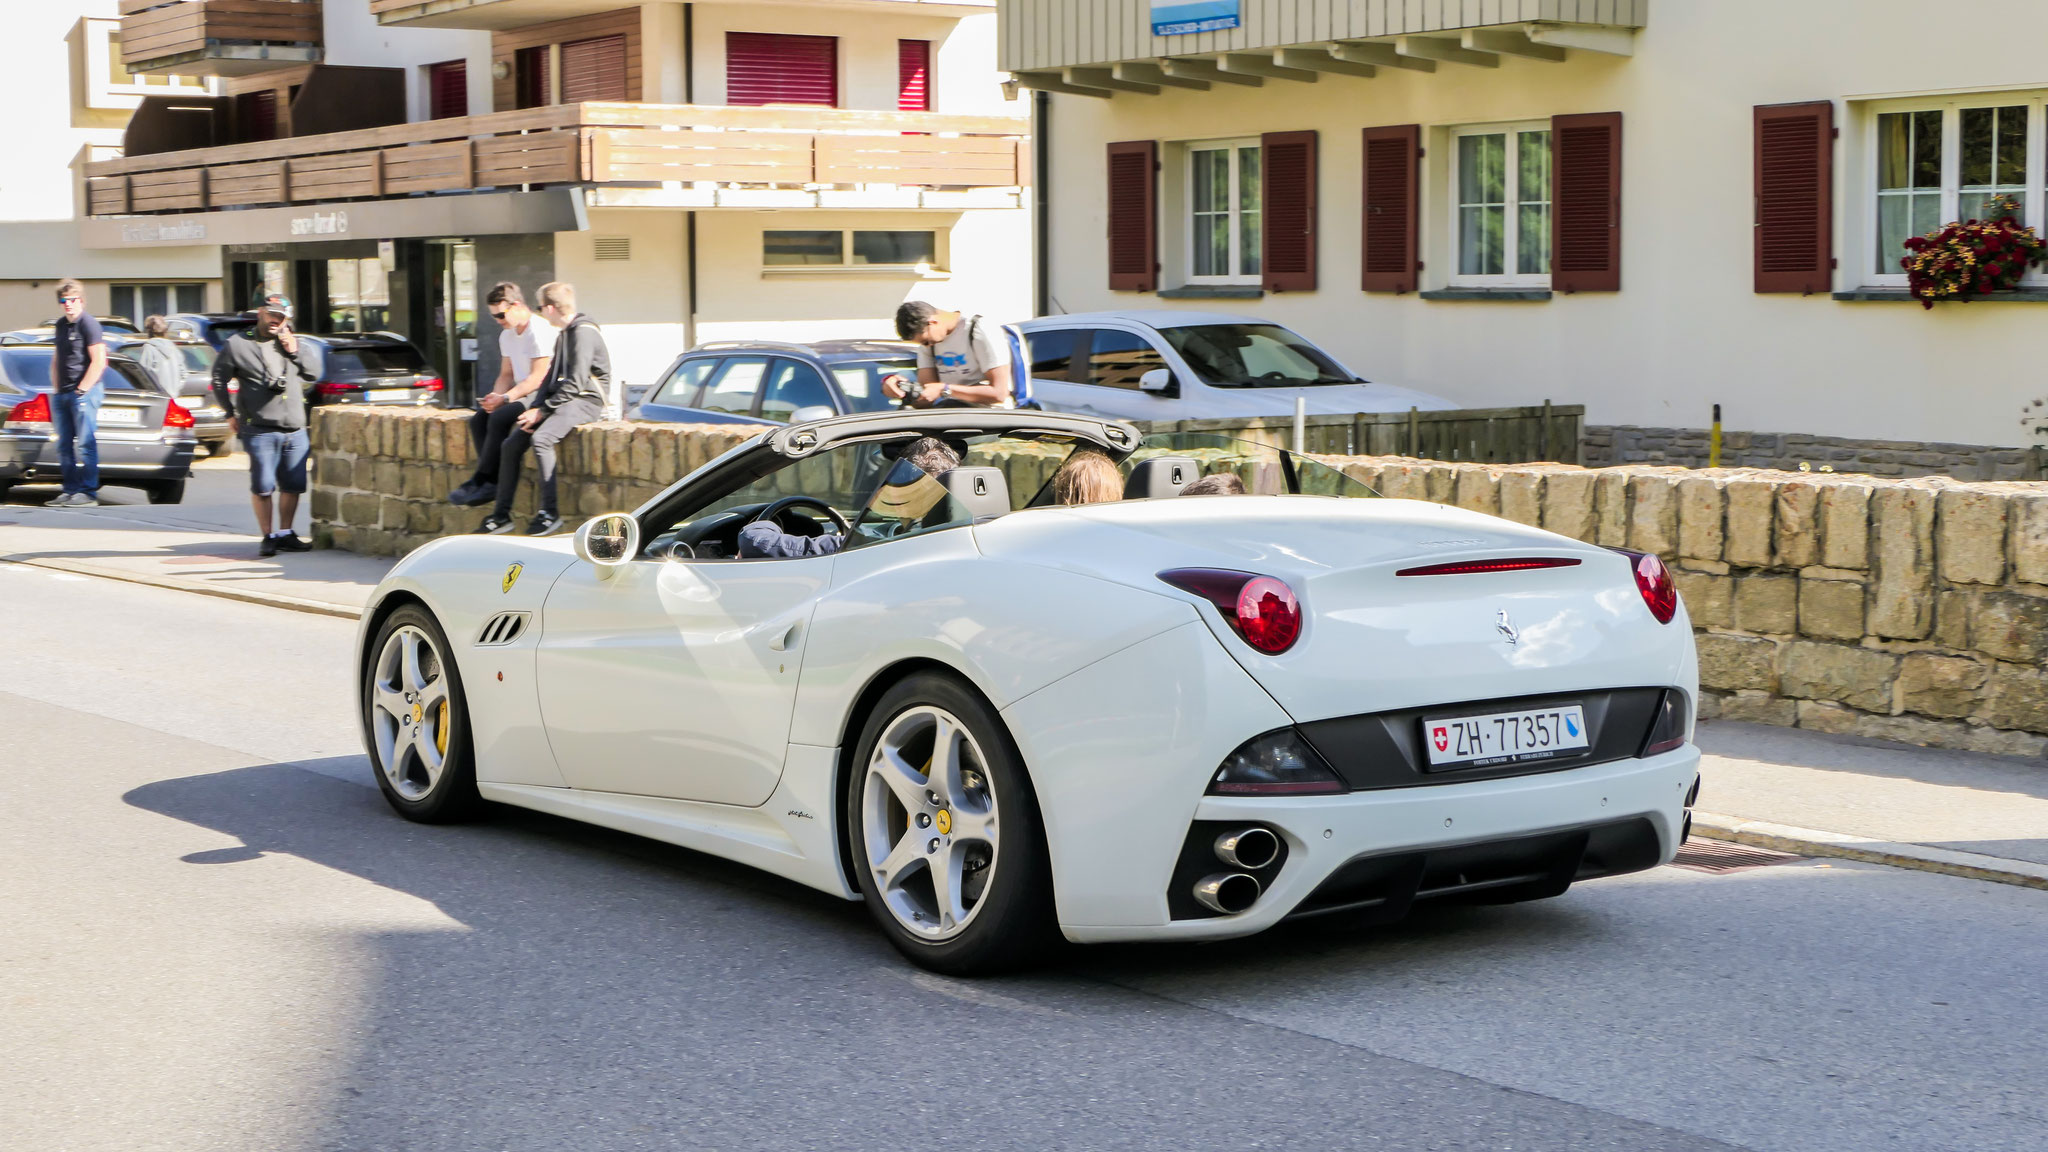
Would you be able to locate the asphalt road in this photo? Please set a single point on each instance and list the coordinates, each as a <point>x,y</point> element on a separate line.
<point>214,935</point>
<point>216,499</point>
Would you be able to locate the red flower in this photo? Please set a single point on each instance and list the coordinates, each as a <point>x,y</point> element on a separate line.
<point>1994,269</point>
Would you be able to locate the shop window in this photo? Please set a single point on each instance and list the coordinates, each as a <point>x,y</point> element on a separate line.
<point>358,296</point>
<point>136,301</point>
<point>852,247</point>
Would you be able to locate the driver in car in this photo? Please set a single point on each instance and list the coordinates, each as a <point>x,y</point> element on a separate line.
<point>907,499</point>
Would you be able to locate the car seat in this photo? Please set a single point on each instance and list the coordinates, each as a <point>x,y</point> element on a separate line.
<point>1161,476</point>
<point>973,494</point>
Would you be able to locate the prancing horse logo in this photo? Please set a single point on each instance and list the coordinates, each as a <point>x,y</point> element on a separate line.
<point>512,577</point>
<point>1506,627</point>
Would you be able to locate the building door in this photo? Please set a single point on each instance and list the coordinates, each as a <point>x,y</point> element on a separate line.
<point>530,87</point>
<point>448,336</point>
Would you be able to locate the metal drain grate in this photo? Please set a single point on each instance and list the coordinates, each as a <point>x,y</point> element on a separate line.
<point>1718,858</point>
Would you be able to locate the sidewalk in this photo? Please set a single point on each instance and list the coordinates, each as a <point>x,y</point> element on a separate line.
<point>1796,791</point>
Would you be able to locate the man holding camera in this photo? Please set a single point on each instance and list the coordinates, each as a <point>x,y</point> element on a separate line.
<point>272,372</point>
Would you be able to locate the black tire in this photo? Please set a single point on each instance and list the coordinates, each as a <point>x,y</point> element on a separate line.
<point>165,491</point>
<point>439,798</point>
<point>1012,925</point>
<point>219,448</point>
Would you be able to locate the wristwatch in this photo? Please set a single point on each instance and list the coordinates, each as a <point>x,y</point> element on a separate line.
<point>945,390</point>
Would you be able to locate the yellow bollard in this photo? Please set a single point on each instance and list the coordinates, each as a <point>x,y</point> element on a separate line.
<point>1714,441</point>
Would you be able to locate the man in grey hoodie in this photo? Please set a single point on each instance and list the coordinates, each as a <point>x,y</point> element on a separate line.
<point>272,371</point>
<point>579,377</point>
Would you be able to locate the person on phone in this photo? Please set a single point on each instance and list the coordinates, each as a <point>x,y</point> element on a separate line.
<point>272,372</point>
<point>961,360</point>
<point>75,395</point>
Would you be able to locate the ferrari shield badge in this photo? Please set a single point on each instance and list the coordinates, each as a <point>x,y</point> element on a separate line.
<point>512,576</point>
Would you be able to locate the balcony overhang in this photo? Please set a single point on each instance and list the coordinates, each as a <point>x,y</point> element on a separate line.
<point>219,37</point>
<point>1104,57</point>
<point>497,15</point>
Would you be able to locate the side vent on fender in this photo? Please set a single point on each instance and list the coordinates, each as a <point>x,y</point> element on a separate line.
<point>503,628</point>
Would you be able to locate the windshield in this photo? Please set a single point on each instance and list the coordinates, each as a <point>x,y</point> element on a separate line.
<point>198,357</point>
<point>28,369</point>
<point>1254,356</point>
<point>860,381</point>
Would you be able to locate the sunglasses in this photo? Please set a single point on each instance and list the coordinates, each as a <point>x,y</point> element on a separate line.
<point>501,315</point>
<point>70,299</point>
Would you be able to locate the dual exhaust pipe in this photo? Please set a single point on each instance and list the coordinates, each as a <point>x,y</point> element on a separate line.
<point>1246,849</point>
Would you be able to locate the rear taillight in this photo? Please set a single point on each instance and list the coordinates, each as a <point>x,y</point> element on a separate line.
<point>1653,580</point>
<point>1509,564</point>
<point>32,414</point>
<point>337,388</point>
<point>433,384</point>
<point>1262,609</point>
<point>1667,731</point>
<point>176,416</point>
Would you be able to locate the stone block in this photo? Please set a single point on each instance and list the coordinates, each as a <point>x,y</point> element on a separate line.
<point>1760,708</point>
<point>421,482</point>
<point>1952,619</point>
<point>1798,525</point>
<point>2002,742</point>
<point>326,503</point>
<point>2029,546</point>
<point>1700,518</point>
<point>1610,509</point>
<point>1442,483</point>
<point>1731,663</point>
<point>1767,603</point>
<point>1653,513</point>
<point>334,470</point>
<point>2016,696</point>
<point>1944,686</point>
<point>391,512</point>
<point>1752,515</point>
<point>1709,599</point>
<point>1970,536</point>
<point>2010,626</point>
<point>593,500</point>
<point>423,518</point>
<point>358,509</point>
<point>1859,677</point>
<point>1845,525</point>
<point>1366,472</point>
<point>1709,706</point>
<point>1404,481</point>
<point>457,447</point>
<point>1911,730</point>
<point>618,451</point>
<point>1568,504</point>
<point>1824,717</point>
<point>338,536</point>
<point>387,477</point>
<point>640,450</point>
<point>409,438</point>
<point>1478,490</point>
<point>1831,609</point>
<point>1902,562</point>
<point>1521,497</point>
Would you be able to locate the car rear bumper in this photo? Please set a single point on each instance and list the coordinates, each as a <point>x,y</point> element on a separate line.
<point>32,456</point>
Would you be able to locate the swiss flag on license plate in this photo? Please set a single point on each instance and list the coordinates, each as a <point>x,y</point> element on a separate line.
<point>1442,738</point>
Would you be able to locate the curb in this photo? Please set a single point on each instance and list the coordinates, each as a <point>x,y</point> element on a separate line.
<point>201,587</point>
<point>1919,857</point>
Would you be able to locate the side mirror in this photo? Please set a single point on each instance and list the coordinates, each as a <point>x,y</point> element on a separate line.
<point>812,412</point>
<point>608,542</point>
<point>1159,382</point>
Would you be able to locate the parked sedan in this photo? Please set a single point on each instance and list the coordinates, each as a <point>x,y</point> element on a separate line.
<point>210,328</point>
<point>1166,365</point>
<point>145,438</point>
<point>771,382</point>
<point>372,368</point>
<point>195,391</point>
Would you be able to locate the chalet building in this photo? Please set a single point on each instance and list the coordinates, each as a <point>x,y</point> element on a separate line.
<point>1649,208</point>
<point>787,169</point>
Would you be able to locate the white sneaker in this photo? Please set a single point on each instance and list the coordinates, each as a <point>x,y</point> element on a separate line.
<point>83,500</point>
<point>60,500</point>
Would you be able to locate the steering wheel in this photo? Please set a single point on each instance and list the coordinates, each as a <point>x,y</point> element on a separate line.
<point>772,511</point>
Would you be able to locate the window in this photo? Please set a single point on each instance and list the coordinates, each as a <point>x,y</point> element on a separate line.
<point>762,68</point>
<point>913,75</point>
<point>1253,356</point>
<point>358,297</point>
<point>860,382</point>
<point>793,386</point>
<point>594,69</point>
<point>1501,183</point>
<point>447,90</point>
<point>136,301</point>
<point>680,389</point>
<point>1051,352</point>
<point>1117,359</point>
<point>1943,163</point>
<point>531,85</point>
<point>736,387</point>
<point>1223,212</point>
<point>839,248</point>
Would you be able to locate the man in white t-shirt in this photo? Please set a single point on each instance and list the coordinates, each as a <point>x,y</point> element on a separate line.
<point>526,348</point>
<point>960,360</point>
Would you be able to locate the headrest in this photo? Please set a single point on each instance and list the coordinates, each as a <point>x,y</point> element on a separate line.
<point>1161,476</point>
<point>975,493</point>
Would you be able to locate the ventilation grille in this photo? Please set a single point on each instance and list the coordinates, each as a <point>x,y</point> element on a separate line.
<point>1717,858</point>
<point>614,247</point>
<point>503,628</point>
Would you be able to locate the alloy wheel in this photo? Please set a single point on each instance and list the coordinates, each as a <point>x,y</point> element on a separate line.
<point>928,823</point>
<point>409,712</point>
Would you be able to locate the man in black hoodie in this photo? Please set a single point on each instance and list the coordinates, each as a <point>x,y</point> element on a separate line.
<point>272,371</point>
<point>579,377</point>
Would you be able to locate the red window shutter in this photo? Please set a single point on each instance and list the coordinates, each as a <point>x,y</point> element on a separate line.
<point>913,75</point>
<point>594,70</point>
<point>1795,224</point>
<point>1287,211</point>
<point>764,68</point>
<point>1390,259</point>
<point>447,90</point>
<point>1585,205</point>
<point>1133,216</point>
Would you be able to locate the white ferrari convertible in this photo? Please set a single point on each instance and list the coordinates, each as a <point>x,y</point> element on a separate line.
<point>997,675</point>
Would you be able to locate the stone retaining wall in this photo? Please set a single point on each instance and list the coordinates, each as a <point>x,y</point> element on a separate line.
<point>1911,610</point>
<point>1608,445</point>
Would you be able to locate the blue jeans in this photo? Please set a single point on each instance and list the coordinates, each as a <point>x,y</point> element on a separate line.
<point>276,460</point>
<point>77,416</point>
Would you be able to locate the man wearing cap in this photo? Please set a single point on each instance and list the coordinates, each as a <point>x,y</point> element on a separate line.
<point>273,372</point>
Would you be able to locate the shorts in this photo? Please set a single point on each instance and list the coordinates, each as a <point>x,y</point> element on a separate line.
<point>277,460</point>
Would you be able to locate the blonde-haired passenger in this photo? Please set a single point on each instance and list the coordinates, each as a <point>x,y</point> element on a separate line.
<point>1089,476</point>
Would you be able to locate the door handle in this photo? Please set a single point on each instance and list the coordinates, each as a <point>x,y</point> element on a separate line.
<point>781,643</point>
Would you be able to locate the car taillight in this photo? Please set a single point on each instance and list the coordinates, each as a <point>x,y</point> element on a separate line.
<point>1667,731</point>
<point>33,413</point>
<point>1262,609</point>
<point>1653,580</point>
<point>176,416</point>
<point>1276,764</point>
<point>1507,564</point>
<point>336,388</point>
<point>433,384</point>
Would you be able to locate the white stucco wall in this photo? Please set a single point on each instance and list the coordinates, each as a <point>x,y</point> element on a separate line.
<point>640,302</point>
<point>1687,330</point>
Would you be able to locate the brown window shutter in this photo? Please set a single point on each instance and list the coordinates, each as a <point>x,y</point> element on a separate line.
<point>1287,211</point>
<point>772,68</point>
<point>1133,216</point>
<point>594,69</point>
<point>1392,157</point>
<point>1585,206</point>
<point>1795,224</point>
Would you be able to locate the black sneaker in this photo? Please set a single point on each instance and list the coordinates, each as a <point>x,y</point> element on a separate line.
<point>544,524</point>
<point>494,525</point>
<point>474,495</point>
<point>268,548</point>
<point>291,542</point>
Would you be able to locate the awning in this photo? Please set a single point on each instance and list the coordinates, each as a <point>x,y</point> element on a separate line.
<point>481,214</point>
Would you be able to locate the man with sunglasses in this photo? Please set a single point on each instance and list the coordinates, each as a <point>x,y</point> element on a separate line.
<point>75,395</point>
<point>526,348</point>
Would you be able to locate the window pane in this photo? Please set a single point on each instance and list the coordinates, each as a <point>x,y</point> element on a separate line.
<point>781,248</point>
<point>375,310</point>
<point>794,386</point>
<point>1250,194</point>
<point>1532,240</point>
<point>2012,145</point>
<point>1212,244</point>
<point>1209,180</point>
<point>1482,169</point>
<point>1532,192</point>
<point>1117,359</point>
<point>1927,149</point>
<point>1894,149</point>
<point>734,391</point>
<point>895,247</point>
<point>341,296</point>
<point>861,383</point>
<point>1977,145</point>
<point>121,302</point>
<point>1480,241</point>
<point>1482,204</point>
<point>680,389</point>
<point>191,297</point>
<point>1050,353</point>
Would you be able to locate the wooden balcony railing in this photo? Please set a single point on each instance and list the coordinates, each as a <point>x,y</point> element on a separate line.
<point>218,37</point>
<point>568,144</point>
<point>497,15</point>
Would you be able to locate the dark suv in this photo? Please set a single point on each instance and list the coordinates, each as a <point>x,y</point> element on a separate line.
<point>373,368</point>
<point>766,381</point>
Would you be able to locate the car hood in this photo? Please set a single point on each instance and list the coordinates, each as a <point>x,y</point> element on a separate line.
<point>1322,400</point>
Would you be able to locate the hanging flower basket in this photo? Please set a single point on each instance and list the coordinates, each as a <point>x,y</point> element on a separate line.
<point>1972,258</point>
